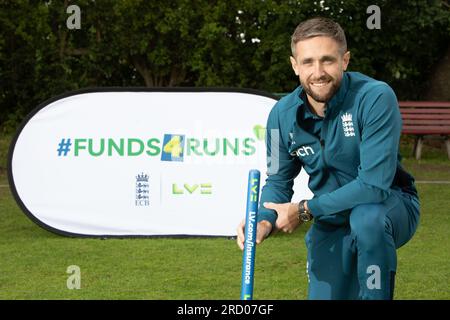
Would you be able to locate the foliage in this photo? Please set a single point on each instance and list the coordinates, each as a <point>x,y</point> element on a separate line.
<point>201,43</point>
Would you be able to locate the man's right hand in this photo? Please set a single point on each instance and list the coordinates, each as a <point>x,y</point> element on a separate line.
<point>263,229</point>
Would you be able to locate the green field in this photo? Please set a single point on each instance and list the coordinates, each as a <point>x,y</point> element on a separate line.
<point>34,261</point>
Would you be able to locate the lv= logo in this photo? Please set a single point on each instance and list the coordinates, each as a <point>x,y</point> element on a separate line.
<point>186,188</point>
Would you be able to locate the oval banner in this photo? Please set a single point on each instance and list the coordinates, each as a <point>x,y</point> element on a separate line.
<point>124,162</point>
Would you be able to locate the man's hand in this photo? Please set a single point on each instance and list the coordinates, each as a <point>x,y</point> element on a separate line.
<point>287,215</point>
<point>262,231</point>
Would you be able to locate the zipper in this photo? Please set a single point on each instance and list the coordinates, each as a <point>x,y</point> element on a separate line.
<point>325,164</point>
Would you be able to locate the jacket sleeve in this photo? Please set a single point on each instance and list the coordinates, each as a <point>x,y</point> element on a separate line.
<point>380,136</point>
<point>282,168</point>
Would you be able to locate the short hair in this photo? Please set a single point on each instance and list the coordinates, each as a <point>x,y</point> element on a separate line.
<point>316,27</point>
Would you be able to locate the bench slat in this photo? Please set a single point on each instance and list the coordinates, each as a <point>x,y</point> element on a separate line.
<point>425,130</point>
<point>425,104</point>
<point>428,122</point>
<point>425,116</point>
<point>426,111</point>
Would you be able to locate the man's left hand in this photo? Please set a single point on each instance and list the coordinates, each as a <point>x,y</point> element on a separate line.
<point>287,220</point>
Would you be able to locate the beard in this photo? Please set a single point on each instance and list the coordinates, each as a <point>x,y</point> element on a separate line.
<point>325,95</point>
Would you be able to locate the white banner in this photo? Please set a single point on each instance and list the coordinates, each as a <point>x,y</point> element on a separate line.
<point>136,162</point>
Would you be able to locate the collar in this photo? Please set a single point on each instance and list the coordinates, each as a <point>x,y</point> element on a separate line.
<point>308,114</point>
<point>334,102</point>
<point>339,96</point>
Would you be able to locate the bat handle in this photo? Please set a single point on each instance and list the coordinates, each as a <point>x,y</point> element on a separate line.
<point>251,219</point>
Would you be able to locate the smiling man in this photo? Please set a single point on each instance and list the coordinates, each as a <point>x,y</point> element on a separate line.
<point>343,128</point>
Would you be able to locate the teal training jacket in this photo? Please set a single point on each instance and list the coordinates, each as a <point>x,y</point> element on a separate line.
<point>351,155</point>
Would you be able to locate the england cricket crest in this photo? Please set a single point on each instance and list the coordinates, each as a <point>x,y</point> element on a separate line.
<point>347,125</point>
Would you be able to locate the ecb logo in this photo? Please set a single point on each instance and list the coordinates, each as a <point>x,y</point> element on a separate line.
<point>173,147</point>
<point>142,190</point>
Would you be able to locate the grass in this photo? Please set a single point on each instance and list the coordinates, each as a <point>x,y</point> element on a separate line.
<point>424,263</point>
<point>34,264</point>
<point>34,261</point>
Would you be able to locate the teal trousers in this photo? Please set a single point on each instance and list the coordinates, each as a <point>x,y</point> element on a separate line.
<point>358,259</point>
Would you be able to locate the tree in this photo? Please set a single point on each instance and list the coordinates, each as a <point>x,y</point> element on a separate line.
<point>201,43</point>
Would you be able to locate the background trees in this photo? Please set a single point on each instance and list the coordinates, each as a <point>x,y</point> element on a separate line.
<point>227,43</point>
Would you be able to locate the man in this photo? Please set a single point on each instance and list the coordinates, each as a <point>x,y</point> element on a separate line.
<point>343,128</point>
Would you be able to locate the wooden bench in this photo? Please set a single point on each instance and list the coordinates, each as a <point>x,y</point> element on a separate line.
<point>426,118</point>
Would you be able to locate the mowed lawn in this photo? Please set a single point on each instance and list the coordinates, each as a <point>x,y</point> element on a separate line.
<point>34,262</point>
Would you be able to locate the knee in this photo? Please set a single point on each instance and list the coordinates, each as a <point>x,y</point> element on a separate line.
<point>368,223</point>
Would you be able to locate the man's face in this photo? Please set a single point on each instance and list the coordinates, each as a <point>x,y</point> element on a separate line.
<point>320,66</point>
